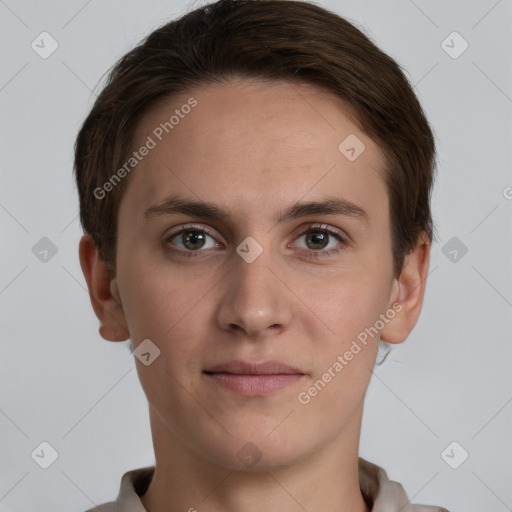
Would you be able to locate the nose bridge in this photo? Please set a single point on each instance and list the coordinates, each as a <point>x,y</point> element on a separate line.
<point>254,299</point>
<point>254,276</point>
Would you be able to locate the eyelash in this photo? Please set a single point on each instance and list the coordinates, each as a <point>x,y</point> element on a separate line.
<point>312,228</point>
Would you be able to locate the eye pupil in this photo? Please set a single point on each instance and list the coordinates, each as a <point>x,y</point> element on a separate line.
<point>317,237</point>
<point>195,238</point>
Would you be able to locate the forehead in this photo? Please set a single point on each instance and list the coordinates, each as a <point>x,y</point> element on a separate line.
<point>255,146</point>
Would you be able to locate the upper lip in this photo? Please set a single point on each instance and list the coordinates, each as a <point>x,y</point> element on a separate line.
<point>253,368</point>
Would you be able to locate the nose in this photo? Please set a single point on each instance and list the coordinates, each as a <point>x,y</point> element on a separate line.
<point>255,301</point>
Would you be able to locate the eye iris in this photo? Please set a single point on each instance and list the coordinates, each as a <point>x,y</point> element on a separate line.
<point>317,237</point>
<point>195,238</point>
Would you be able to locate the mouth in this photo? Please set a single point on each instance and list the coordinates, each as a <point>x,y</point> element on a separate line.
<point>253,379</point>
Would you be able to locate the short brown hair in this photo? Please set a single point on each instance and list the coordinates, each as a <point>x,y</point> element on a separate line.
<point>271,40</point>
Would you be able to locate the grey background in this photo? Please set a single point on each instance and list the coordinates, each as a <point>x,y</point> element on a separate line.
<point>450,381</point>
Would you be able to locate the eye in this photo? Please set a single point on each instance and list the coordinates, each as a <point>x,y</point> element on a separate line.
<point>191,239</point>
<point>319,240</point>
<point>320,237</point>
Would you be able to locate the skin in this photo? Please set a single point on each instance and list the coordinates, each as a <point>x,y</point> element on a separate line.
<point>254,149</point>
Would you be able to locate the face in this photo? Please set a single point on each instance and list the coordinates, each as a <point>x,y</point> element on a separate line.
<point>252,252</point>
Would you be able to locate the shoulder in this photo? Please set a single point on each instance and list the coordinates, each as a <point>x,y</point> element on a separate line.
<point>134,484</point>
<point>383,494</point>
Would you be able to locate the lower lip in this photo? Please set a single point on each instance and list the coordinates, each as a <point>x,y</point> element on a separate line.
<point>254,385</point>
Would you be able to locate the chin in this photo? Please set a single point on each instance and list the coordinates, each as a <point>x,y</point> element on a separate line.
<point>256,451</point>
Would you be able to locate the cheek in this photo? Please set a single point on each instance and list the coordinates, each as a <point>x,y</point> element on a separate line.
<point>350,308</point>
<point>352,302</point>
<point>175,314</point>
<point>156,299</point>
<point>163,309</point>
<point>345,359</point>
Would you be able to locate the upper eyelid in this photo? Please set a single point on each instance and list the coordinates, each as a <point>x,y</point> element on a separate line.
<point>189,227</point>
<point>332,230</point>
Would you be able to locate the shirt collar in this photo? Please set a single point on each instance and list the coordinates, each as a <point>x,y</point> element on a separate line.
<point>380,493</point>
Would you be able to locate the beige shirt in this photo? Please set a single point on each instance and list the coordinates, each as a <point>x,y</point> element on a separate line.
<point>380,493</point>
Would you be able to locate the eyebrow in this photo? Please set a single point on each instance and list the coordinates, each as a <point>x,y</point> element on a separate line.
<point>206,210</point>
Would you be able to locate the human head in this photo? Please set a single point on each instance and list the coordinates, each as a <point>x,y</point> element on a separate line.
<point>271,40</point>
<point>253,144</point>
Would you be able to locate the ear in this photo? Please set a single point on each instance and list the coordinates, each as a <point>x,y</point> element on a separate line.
<point>103,292</point>
<point>408,293</point>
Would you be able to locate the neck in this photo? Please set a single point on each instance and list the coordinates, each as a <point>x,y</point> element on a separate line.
<point>184,481</point>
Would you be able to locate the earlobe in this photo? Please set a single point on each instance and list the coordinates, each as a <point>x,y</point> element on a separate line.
<point>407,300</point>
<point>103,292</point>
